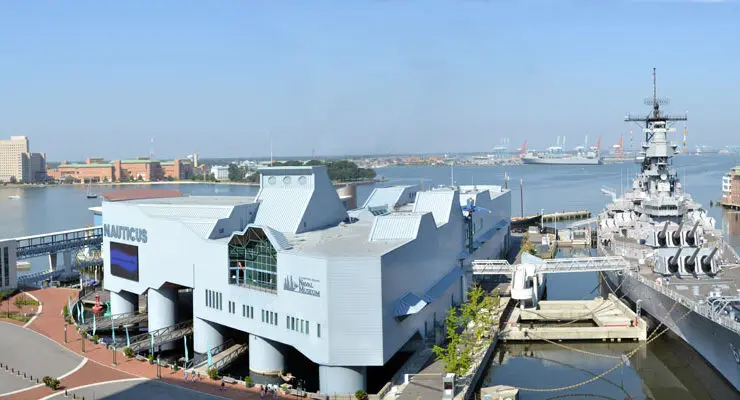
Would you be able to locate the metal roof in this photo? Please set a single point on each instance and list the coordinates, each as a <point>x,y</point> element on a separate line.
<point>138,194</point>
<point>390,196</point>
<point>438,202</point>
<point>282,209</point>
<point>408,304</point>
<point>395,226</point>
<point>439,288</point>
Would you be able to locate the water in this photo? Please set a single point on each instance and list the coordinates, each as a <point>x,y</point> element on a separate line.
<point>667,369</point>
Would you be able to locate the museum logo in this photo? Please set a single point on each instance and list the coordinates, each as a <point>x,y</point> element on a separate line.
<point>302,285</point>
<point>125,233</point>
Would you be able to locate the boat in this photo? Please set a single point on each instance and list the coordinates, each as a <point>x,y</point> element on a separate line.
<point>685,274</point>
<point>14,197</point>
<point>89,194</point>
<point>556,155</point>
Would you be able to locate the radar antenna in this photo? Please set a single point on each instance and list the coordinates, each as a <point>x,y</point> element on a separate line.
<point>655,116</point>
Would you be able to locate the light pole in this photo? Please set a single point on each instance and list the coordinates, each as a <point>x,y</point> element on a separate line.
<point>65,333</point>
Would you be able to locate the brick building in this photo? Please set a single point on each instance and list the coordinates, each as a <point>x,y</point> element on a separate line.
<point>143,169</point>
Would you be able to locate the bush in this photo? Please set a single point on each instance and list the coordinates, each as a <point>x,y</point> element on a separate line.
<point>83,334</point>
<point>95,338</point>
<point>213,373</point>
<point>65,311</point>
<point>150,357</point>
<point>50,382</point>
<point>128,352</point>
<point>361,395</point>
<point>248,381</point>
<point>175,367</point>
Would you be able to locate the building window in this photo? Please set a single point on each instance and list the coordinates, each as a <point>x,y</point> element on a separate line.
<point>301,326</point>
<point>263,315</point>
<point>287,322</point>
<point>307,327</point>
<point>244,311</point>
<point>292,323</point>
<point>276,319</point>
<point>318,330</point>
<point>253,261</point>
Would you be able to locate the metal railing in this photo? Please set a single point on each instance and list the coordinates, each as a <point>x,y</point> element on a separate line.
<point>161,336</point>
<point>557,265</point>
<point>119,320</point>
<point>39,245</point>
<point>201,358</point>
<point>229,358</point>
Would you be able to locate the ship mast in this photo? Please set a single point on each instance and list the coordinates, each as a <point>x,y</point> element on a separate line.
<point>655,116</point>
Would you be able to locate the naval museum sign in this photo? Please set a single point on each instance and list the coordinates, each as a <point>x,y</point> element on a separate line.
<point>303,285</point>
<point>125,233</point>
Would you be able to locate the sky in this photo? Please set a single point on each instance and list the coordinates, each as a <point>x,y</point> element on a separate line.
<point>221,78</point>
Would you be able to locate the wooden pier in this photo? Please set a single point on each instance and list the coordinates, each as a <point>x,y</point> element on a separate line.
<point>613,319</point>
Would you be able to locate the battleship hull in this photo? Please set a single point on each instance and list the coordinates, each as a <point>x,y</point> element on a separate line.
<point>562,161</point>
<point>717,344</point>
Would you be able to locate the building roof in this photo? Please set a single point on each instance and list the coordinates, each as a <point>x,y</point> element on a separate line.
<point>138,194</point>
<point>139,161</point>
<point>91,165</point>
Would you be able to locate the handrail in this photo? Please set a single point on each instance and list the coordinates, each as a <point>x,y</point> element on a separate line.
<point>160,335</point>
<point>200,358</point>
<point>226,361</point>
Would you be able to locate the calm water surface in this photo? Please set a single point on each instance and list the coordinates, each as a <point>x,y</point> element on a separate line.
<point>666,369</point>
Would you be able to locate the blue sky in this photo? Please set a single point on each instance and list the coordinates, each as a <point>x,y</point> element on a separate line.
<point>92,78</point>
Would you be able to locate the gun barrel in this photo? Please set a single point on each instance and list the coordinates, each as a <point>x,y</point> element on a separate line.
<point>692,259</point>
<point>661,234</point>
<point>693,230</point>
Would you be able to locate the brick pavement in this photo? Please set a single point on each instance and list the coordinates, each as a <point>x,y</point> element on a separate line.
<point>50,323</point>
<point>9,305</point>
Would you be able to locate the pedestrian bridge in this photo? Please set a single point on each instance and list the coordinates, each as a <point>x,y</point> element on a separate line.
<point>556,265</point>
<point>56,242</point>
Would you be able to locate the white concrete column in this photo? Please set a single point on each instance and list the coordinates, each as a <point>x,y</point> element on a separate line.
<point>162,310</point>
<point>265,356</point>
<point>206,335</point>
<point>67,262</point>
<point>123,302</point>
<point>341,380</point>
<point>53,261</point>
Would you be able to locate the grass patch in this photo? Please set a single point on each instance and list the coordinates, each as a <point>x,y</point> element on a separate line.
<point>14,316</point>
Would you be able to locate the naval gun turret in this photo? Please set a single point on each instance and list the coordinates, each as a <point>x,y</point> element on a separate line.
<point>676,235</point>
<point>691,238</point>
<point>673,262</point>
<point>689,263</point>
<point>708,265</point>
<point>662,235</point>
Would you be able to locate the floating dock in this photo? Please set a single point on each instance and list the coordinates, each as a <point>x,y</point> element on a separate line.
<point>614,321</point>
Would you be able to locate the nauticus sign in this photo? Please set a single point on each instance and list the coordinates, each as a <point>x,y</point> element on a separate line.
<point>302,285</point>
<point>125,233</point>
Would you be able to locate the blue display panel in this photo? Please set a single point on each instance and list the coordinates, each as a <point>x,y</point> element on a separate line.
<point>124,261</point>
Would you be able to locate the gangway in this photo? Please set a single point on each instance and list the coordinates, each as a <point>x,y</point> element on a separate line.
<point>201,358</point>
<point>161,336</point>
<point>224,358</point>
<point>556,265</point>
<point>121,320</point>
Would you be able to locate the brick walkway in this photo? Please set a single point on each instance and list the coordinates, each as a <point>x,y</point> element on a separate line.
<point>50,323</point>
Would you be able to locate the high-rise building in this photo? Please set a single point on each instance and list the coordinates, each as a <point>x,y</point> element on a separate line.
<point>11,158</point>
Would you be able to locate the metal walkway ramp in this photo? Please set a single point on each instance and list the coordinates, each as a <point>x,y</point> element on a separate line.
<point>557,265</point>
<point>168,334</point>
<point>54,242</point>
<point>53,274</point>
<point>224,358</point>
<point>121,320</point>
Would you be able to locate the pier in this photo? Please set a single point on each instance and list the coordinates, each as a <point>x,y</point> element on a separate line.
<point>613,321</point>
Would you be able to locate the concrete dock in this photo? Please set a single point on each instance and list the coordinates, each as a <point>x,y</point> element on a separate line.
<point>614,321</point>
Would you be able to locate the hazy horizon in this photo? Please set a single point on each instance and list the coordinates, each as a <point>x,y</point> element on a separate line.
<point>94,79</point>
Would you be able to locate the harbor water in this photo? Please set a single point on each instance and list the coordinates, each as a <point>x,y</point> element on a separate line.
<point>666,369</point>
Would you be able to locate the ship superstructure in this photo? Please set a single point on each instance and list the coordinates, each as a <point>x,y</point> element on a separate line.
<point>686,275</point>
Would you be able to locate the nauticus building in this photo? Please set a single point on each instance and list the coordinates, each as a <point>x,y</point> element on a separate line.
<point>293,267</point>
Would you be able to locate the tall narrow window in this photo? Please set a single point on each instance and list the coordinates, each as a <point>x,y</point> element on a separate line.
<point>318,330</point>
<point>276,319</point>
<point>307,327</point>
<point>244,310</point>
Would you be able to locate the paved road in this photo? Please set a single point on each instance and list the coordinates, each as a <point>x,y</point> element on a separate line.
<point>33,354</point>
<point>427,386</point>
<point>137,389</point>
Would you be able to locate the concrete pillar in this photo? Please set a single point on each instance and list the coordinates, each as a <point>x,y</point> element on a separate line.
<point>341,380</point>
<point>206,335</point>
<point>265,356</point>
<point>52,261</point>
<point>123,302</point>
<point>67,262</point>
<point>162,309</point>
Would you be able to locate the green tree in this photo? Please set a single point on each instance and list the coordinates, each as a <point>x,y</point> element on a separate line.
<point>236,173</point>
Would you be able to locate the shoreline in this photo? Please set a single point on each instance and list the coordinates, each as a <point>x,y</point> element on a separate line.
<point>181,182</point>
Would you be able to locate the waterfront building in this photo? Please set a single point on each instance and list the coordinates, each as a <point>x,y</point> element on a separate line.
<point>292,267</point>
<point>143,169</point>
<point>220,172</point>
<point>8,269</point>
<point>17,163</point>
<point>731,188</point>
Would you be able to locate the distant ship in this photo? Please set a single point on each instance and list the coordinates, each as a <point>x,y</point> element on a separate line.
<point>556,155</point>
<point>705,150</point>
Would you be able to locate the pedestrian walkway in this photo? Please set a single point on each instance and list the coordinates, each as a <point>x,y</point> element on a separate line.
<point>50,323</point>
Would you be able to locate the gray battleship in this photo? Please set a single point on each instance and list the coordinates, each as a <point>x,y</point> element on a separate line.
<point>556,155</point>
<point>686,275</point>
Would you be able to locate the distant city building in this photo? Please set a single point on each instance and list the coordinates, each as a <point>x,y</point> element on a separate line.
<point>220,172</point>
<point>140,169</point>
<point>17,163</point>
<point>731,188</point>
